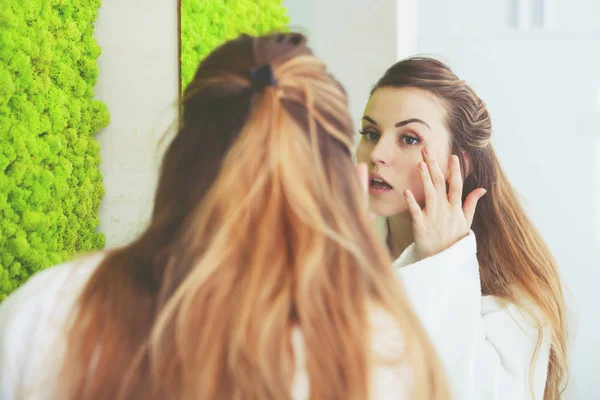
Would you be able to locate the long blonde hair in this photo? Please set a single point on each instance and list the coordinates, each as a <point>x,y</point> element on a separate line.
<point>258,227</point>
<point>515,262</point>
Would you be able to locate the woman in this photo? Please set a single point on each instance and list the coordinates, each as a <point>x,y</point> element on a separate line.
<point>259,276</point>
<point>493,307</point>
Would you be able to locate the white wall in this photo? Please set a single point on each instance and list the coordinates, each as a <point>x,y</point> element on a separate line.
<point>355,38</point>
<point>139,83</point>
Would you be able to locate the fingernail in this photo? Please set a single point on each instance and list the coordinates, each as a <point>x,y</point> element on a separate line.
<point>484,192</point>
<point>422,166</point>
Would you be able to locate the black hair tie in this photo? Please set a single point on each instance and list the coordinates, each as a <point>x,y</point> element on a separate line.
<point>262,77</point>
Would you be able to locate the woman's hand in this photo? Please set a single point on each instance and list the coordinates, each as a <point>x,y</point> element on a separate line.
<point>444,220</point>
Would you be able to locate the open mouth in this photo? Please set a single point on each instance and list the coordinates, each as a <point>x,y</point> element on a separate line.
<point>378,185</point>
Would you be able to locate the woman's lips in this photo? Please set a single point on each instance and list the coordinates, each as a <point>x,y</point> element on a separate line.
<point>378,185</point>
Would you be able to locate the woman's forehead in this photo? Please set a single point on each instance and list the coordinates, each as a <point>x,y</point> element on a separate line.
<point>390,105</point>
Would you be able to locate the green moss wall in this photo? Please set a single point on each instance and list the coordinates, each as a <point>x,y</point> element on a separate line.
<point>206,24</point>
<point>50,183</point>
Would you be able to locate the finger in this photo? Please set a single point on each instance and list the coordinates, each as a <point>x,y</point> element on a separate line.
<point>428,188</point>
<point>363,176</point>
<point>455,182</point>
<point>437,177</point>
<point>413,207</point>
<point>471,204</point>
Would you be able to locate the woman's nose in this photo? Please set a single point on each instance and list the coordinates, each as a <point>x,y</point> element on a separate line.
<point>382,152</point>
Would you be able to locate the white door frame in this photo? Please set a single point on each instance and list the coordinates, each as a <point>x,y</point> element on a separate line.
<point>406,28</point>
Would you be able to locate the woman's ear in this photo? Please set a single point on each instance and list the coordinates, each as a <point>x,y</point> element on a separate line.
<point>467,163</point>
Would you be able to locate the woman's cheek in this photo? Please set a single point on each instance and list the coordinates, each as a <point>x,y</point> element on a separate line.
<point>363,152</point>
<point>416,187</point>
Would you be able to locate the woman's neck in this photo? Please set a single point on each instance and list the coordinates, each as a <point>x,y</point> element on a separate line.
<point>400,234</point>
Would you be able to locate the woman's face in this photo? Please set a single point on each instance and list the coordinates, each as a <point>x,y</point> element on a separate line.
<point>398,123</point>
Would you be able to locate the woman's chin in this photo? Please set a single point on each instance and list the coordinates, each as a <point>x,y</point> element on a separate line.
<point>386,208</point>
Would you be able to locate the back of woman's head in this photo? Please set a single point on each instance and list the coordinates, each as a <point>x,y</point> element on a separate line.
<point>258,229</point>
<point>222,104</point>
<point>515,262</point>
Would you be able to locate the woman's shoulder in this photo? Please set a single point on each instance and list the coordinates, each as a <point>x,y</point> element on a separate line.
<point>518,327</point>
<point>33,324</point>
<point>385,332</point>
<point>391,374</point>
<point>390,379</point>
<point>45,295</point>
<point>523,311</point>
<point>64,280</point>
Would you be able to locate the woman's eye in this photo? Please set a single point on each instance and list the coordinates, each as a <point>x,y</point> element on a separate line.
<point>371,136</point>
<point>410,140</point>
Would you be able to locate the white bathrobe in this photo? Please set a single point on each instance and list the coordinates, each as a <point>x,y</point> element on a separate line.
<point>485,347</point>
<point>485,344</point>
<point>34,320</point>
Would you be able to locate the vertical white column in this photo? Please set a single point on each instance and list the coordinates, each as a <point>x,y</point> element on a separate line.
<point>406,28</point>
<point>598,172</point>
<point>539,14</point>
<point>524,15</point>
<point>138,81</point>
